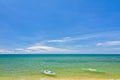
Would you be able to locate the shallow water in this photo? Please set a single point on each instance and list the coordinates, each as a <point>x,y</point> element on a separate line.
<point>67,65</point>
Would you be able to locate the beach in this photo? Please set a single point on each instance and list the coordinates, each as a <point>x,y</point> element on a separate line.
<point>50,78</point>
<point>67,67</point>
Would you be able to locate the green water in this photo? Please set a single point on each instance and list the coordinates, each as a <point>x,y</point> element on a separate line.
<point>64,65</point>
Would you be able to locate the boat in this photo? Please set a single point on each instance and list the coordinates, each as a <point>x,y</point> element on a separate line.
<point>93,70</point>
<point>48,72</point>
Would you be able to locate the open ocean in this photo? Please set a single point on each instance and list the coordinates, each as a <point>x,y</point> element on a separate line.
<point>65,65</point>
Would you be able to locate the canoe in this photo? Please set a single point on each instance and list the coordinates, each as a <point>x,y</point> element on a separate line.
<point>93,70</point>
<point>48,72</point>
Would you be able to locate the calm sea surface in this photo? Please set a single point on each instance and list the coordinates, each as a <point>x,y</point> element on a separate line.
<point>65,65</point>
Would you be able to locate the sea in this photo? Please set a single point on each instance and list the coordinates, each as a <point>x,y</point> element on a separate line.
<point>65,65</point>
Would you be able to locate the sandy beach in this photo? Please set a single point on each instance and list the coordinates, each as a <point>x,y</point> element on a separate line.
<point>51,78</point>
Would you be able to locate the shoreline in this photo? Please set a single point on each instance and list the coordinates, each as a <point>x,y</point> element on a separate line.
<point>52,78</point>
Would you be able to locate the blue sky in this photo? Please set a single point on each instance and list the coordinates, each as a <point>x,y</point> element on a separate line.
<point>59,26</point>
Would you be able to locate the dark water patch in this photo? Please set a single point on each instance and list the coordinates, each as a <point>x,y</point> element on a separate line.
<point>56,55</point>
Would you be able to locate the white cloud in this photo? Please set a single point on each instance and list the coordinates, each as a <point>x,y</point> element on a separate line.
<point>108,43</point>
<point>44,49</point>
<point>82,37</point>
<point>60,40</point>
<point>5,51</point>
<point>56,40</point>
<point>67,39</point>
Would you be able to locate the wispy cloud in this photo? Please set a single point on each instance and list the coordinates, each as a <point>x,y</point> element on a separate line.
<point>5,51</point>
<point>87,36</point>
<point>108,43</point>
<point>49,46</point>
<point>60,40</point>
<point>67,39</point>
<point>43,49</point>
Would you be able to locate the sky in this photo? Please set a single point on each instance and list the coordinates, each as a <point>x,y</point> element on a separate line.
<point>60,26</point>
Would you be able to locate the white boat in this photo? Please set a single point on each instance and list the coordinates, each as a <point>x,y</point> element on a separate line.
<point>48,72</point>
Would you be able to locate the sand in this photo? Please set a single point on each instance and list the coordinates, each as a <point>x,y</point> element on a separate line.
<point>49,78</point>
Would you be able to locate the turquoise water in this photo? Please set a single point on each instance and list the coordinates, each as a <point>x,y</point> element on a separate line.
<point>65,65</point>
